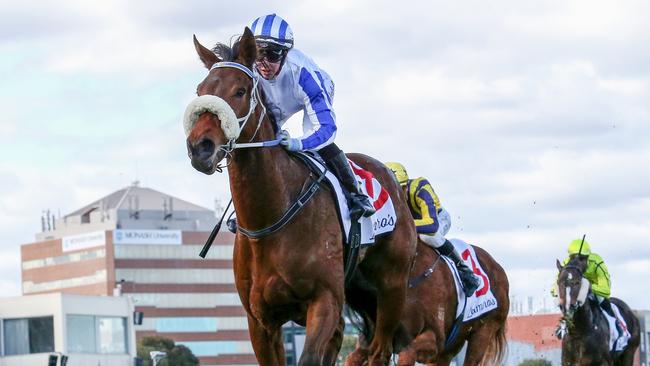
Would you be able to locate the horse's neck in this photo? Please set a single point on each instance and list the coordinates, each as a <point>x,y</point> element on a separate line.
<point>262,181</point>
<point>583,318</point>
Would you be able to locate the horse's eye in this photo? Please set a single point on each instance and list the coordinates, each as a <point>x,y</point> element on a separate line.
<point>241,92</point>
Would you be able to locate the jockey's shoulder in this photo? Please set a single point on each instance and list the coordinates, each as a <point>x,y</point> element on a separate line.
<point>298,60</point>
<point>420,182</point>
<point>594,257</point>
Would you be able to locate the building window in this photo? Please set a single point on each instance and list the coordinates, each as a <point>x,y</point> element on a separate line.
<point>112,334</point>
<point>29,335</point>
<point>81,333</point>
<point>96,334</point>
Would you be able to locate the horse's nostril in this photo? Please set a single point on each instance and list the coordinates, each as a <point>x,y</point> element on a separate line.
<point>205,149</point>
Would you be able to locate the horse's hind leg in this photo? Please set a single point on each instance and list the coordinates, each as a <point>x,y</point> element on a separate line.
<point>334,345</point>
<point>627,358</point>
<point>268,345</point>
<point>479,342</point>
<point>391,296</point>
<point>323,318</point>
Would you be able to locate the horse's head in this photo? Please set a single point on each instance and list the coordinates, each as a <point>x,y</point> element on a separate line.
<point>227,98</point>
<point>572,287</point>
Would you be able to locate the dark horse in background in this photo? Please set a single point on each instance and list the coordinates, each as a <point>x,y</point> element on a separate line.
<point>295,273</point>
<point>587,339</point>
<point>430,312</point>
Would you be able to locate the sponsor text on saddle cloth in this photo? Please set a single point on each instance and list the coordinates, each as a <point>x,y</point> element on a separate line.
<point>382,222</point>
<point>617,342</point>
<point>483,300</point>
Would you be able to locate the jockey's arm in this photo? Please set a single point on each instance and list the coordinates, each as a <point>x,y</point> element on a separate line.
<point>601,284</point>
<point>428,223</point>
<point>319,116</point>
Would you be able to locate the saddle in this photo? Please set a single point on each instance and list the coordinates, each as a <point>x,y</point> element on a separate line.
<point>358,233</point>
<point>618,333</point>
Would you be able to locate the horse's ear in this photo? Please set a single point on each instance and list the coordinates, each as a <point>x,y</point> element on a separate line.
<point>558,264</point>
<point>207,57</point>
<point>247,51</point>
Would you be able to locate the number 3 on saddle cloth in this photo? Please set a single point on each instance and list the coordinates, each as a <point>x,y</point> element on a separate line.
<point>483,300</point>
<point>382,222</point>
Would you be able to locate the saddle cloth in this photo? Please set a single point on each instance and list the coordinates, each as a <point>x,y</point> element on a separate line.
<point>382,222</point>
<point>617,342</point>
<point>483,300</point>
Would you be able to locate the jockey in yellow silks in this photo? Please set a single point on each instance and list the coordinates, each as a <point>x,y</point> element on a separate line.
<point>432,221</point>
<point>595,272</point>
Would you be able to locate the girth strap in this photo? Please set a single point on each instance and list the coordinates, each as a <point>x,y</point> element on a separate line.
<point>426,274</point>
<point>295,207</point>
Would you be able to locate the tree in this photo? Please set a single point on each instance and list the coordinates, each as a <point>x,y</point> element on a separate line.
<point>535,362</point>
<point>177,354</point>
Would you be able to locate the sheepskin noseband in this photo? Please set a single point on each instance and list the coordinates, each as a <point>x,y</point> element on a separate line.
<point>214,105</point>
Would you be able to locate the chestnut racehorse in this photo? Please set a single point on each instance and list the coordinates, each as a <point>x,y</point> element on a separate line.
<point>587,339</point>
<point>430,313</point>
<point>295,273</point>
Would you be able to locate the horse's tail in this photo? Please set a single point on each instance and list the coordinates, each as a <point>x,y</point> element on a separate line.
<point>496,351</point>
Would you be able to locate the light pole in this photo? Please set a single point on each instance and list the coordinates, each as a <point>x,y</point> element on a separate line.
<point>157,356</point>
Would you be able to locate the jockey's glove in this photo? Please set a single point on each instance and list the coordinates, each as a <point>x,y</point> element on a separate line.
<point>288,142</point>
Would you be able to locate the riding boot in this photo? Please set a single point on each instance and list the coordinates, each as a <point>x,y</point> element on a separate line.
<point>359,203</point>
<point>467,277</point>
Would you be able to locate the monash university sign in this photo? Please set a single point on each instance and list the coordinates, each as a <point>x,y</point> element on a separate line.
<point>147,237</point>
<point>83,241</point>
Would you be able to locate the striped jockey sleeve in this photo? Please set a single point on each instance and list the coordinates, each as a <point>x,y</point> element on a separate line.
<point>423,197</point>
<point>319,111</point>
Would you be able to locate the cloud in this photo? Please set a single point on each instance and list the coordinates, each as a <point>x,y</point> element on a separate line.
<point>529,119</point>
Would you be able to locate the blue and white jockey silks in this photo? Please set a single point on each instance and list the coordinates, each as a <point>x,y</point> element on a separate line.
<point>274,29</point>
<point>302,85</point>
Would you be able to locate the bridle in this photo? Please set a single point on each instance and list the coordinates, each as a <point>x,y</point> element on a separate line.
<point>232,143</point>
<point>579,302</point>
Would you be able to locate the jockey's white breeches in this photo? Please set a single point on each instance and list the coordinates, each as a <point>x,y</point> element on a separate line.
<point>444,224</point>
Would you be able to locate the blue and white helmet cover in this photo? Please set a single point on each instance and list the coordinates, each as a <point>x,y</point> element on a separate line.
<point>273,29</point>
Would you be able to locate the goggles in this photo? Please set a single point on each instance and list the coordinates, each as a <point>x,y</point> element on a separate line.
<point>273,56</point>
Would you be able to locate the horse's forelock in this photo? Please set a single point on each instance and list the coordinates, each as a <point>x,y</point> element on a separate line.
<point>225,52</point>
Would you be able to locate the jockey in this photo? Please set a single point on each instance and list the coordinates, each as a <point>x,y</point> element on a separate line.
<point>292,82</point>
<point>595,272</point>
<point>432,222</point>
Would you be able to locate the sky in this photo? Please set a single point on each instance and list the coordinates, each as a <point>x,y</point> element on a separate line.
<point>531,119</point>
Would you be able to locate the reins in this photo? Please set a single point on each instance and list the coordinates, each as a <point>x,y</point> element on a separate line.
<point>232,144</point>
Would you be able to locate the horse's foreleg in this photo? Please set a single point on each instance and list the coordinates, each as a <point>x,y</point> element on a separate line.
<point>267,344</point>
<point>334,345</point>
<point>426,347</point>
<point>323,318</point>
